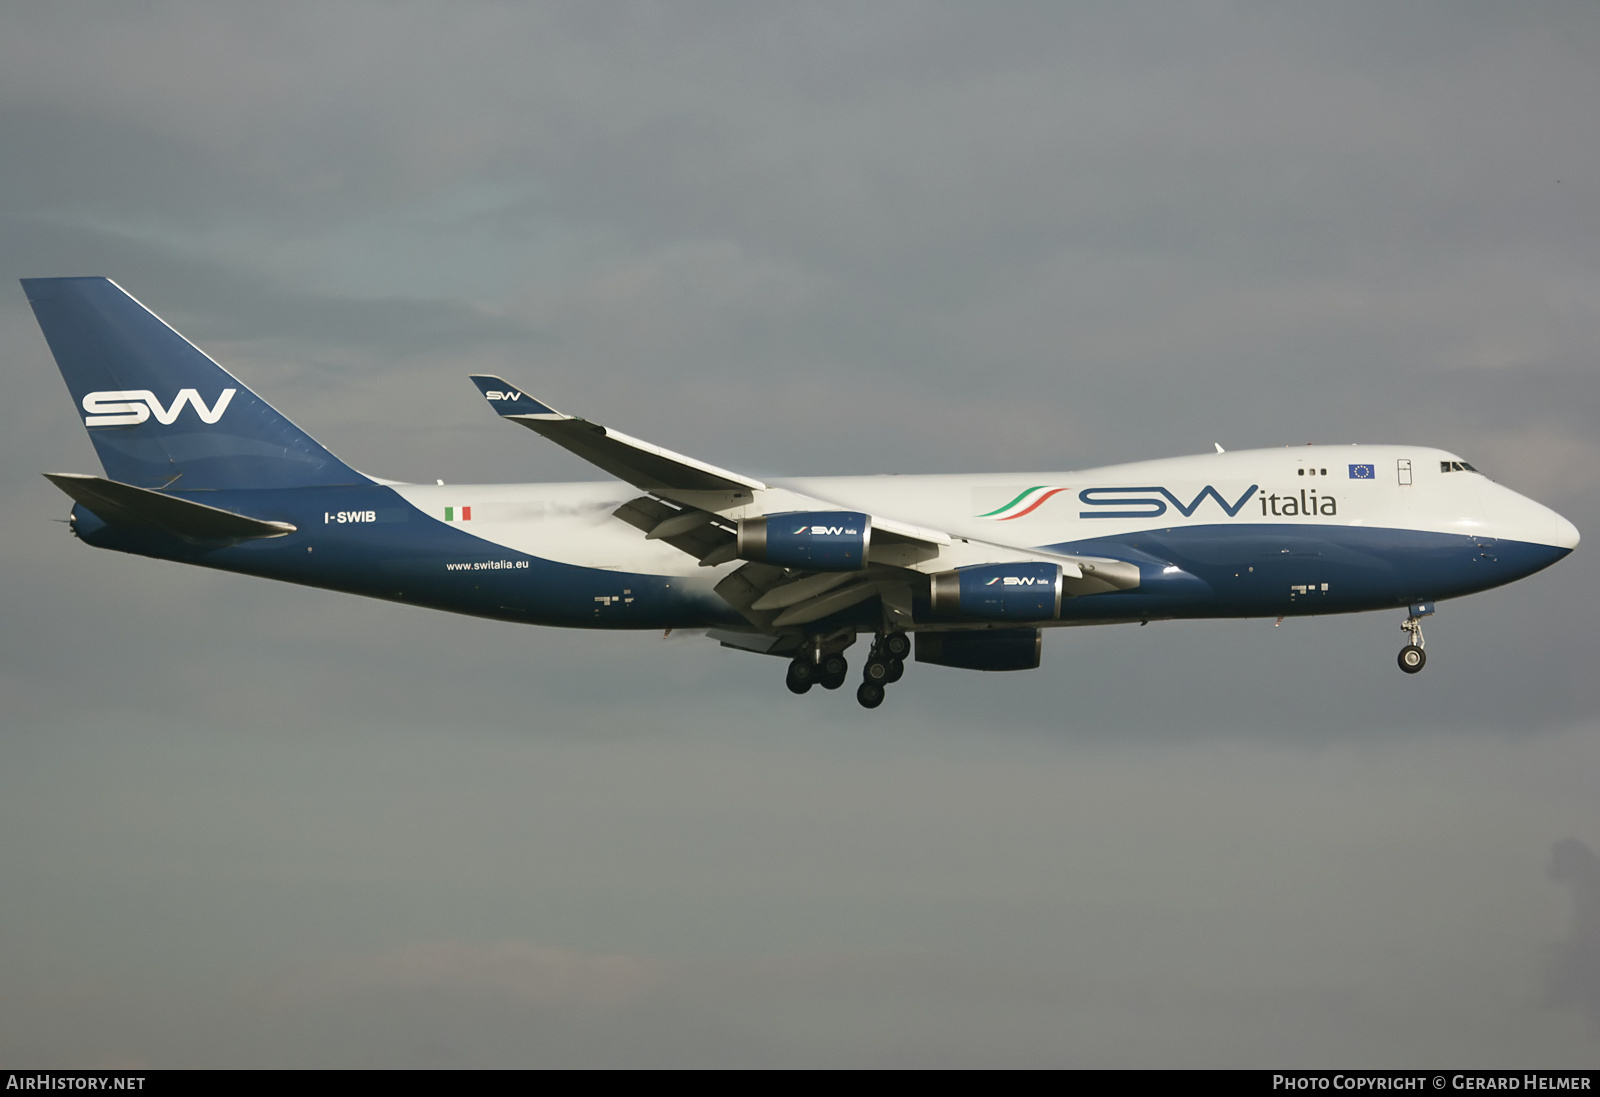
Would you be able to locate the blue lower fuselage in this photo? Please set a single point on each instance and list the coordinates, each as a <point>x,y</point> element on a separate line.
<point>369,540</point>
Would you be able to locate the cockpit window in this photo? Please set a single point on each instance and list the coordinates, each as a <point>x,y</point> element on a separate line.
<point>1455,466</point>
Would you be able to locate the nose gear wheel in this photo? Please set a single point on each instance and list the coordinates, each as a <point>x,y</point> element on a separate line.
<point>1412,657</point>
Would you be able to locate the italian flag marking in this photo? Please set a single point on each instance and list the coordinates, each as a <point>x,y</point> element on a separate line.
<point>1025,503</point>
<point>450,514</point>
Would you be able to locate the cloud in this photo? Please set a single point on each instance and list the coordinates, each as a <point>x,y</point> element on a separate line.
<point>509,969</point>
<point>1573,980</point>
<point>830,238</point>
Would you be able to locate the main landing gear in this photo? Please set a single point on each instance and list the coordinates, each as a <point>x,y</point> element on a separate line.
<point>1412,657</point>
<point>885,665</point>
<point>802,675</point>
<point>829,673</point>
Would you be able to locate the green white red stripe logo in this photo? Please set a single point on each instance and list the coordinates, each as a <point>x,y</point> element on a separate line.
<point>1025,503</point>
<point>451,514</point>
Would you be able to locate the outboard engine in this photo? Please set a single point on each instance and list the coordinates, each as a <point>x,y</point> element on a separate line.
<point>820,540</point>
<point>1027,591</point>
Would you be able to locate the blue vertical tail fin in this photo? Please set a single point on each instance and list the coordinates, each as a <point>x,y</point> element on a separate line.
<point>160,413</point>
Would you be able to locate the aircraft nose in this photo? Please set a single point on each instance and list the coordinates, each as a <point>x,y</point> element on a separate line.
<point>1566,535</point>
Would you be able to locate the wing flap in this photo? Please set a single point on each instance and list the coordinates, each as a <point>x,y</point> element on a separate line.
<point>789,594</point>
<point>743,586</point>
<point>826,605</point>
<point>699,533</point>
<point>761,643</point>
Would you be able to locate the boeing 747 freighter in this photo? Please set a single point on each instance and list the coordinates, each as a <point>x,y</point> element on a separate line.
<point>973,569</point>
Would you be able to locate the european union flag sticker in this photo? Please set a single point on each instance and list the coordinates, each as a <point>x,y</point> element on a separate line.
<point>1362,472</point>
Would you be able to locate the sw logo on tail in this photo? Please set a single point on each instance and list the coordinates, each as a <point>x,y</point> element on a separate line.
<point>128,407</point>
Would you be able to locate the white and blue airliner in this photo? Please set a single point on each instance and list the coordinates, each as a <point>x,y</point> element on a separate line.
<point>201,470</point>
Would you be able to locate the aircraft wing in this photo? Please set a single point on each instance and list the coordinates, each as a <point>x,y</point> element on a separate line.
<point>696,507</point>
<point>673,476</point>
<point>629,459</point>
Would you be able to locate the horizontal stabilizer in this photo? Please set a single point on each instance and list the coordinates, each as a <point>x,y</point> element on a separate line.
<point>125,505</point>
<point>628,459</point>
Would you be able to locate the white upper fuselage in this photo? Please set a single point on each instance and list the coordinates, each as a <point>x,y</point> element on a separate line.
<point>1307,486</point>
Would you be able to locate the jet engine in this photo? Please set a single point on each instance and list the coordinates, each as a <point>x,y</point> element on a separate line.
<point>819,540</point>
<point>1027,591</point>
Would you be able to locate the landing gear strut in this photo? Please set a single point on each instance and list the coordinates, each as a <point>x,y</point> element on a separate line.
<point>1412,657</point>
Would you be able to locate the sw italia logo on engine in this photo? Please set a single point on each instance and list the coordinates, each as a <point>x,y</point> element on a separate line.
<point>825,531</point>
<point>128,407</point>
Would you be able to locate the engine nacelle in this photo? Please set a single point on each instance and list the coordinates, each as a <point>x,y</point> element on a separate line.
<point>1029,591</point>
<point>821,540</point>
<point>1000,649</point>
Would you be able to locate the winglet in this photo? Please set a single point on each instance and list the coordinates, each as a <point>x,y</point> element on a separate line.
<point>508,400</point>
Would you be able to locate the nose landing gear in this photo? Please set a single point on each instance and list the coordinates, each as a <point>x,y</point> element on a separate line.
<point>1412,657</point>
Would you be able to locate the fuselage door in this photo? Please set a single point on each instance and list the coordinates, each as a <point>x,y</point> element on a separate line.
<point>1403,468</point>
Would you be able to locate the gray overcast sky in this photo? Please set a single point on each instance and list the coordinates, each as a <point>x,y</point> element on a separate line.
<point>254,824</point>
